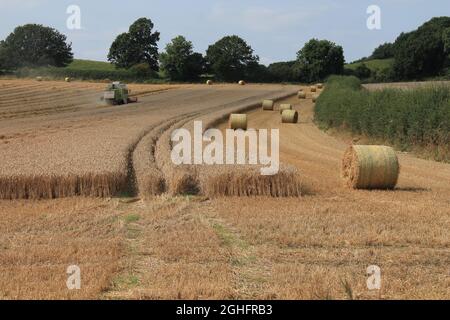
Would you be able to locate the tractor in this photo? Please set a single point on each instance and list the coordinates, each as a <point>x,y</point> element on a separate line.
<point>117,93</point>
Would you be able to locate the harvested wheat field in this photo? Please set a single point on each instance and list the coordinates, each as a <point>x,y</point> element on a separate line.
<point>152,241</point>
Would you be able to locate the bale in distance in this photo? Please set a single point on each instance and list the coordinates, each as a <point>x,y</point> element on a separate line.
<point>67,79</point>
<point>242,83</point>
<point>209,82</point>
<point>285,106</point>
<point>370,167</point>
<point>313,89</point>
<point>314,98</point>
<point>38,78</point>
<point>289,116</point>
<point>238,121</point>
<point>301,95</point>
<point>320,86</point>
<point>268,105</point>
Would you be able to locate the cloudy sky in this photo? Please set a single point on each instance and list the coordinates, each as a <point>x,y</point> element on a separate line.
<point>275,29</point>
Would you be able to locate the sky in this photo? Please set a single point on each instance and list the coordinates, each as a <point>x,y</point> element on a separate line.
<point>276,30</point>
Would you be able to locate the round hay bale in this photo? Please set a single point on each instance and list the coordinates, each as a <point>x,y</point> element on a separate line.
<point>242,83</point>
<point>67,79</point>
<point>320,86</point>
<point>289,116</point>
<point>285,106</point>
<point>314,98</point>
<point>38,78</point>
<point>209,82</point>
<point>267,105</point>
<point>313,89</point>
<point>301,95</point>
<point>238,121</point>
<point>370,167</point>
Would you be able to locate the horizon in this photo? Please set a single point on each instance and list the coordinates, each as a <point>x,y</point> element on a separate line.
<point>276,34</point>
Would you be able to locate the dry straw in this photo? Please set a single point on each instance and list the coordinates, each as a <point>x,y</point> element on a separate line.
<point>209,82</point>
<point>38,78</point>
<point>268,105</point>
<point>314,98</point>
<point>319,85</point>
<point>370,167</point>
<point>289,116</point>
<point>313,89</point>
<point>285,106</point>
<point>238,121</point>
<point>242,83</point>
<point>301,95</point>
<point>67,79</point>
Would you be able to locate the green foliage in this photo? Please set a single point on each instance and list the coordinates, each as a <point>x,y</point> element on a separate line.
<point>179,61</point>
<point>422,53</point>
<point>282,71</point>
<point>319,59</point>
<point>138,45</point>
<point>384,51</point>
<point>34,45</point>
<point>80,64</point>
<point>416,117</point>
<point>231,58</point>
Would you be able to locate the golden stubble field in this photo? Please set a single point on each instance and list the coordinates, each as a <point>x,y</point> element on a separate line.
<point>181,247</point>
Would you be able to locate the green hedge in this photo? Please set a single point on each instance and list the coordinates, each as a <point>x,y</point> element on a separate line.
<point>405,118</point>
<point>84,74</point>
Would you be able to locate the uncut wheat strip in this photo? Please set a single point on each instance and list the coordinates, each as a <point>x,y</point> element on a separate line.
<point>247,181</point>
<point>149,178</point>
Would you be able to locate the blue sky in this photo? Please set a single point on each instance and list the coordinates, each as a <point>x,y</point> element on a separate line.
<point>275,29</point>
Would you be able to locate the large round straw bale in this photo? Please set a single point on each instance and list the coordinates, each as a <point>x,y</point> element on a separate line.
<point>38,78</point>
<point>301,95</point>
<point>209,82</point>
<point>238,121</point>
<point>242,83</point>
<point>370,167</point>
<point>289,116</point>
<point>320,86</point>
<point>285,106</point>
<point>67,79</point>
<point>313,89</point>
<point>314,98</point>
<point>268,105</point>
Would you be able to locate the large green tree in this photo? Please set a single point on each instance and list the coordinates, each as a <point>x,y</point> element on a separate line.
<point>231,58</point>
<point>180,62</point>
<point>319,59</point>
<point>35,45</point>
<point>138,45</point>
<point>383,51</point>
<point>422,52</point>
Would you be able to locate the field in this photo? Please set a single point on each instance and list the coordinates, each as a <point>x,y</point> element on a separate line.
<point>374,64</point>
<point>146,238</point>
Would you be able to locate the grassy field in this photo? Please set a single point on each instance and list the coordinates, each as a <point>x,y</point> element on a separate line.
<point>79,64</point>
<point>374,64</point>
<point>418,118</point>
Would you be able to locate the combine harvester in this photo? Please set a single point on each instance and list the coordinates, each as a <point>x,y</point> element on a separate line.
<point>117,93</point>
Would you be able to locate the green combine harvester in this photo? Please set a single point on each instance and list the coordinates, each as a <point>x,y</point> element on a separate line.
<point>117,93</point>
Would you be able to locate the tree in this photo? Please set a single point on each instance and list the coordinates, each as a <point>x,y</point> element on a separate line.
<point>138,45</point>
<point>231,58</point>
<point>35,45</point>
<point>180,62</point>
<point>422,53</point>
<point>362,71</point>
<point>319,59</point>
<point>282,71</point>
<point>384,51</point>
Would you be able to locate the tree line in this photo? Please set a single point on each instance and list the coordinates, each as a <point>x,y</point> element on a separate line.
<point>416,55</point>
<point>421,53</point>
<point>229,59</point>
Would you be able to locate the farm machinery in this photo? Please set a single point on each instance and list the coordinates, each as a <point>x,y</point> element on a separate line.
<point>117,93</point>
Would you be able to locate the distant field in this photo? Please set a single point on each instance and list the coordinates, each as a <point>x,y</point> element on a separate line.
<point>79,64</point>
<point>375,64</point>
